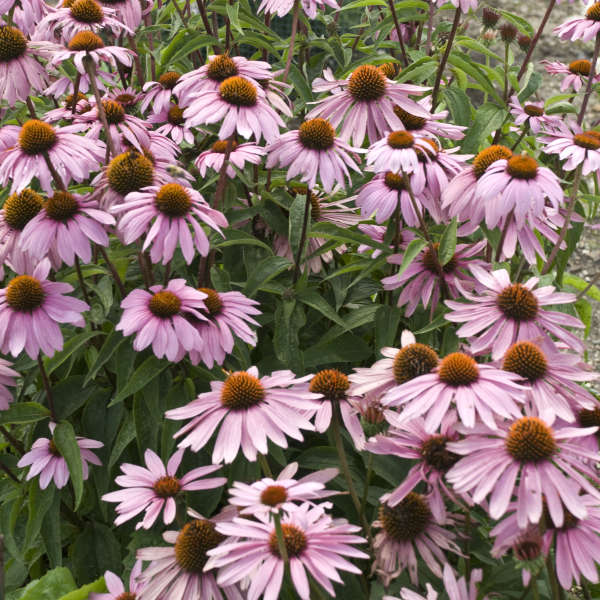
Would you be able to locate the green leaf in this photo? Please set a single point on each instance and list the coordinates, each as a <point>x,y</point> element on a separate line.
<point>237,237</point>
<point>411,252</point>
<point>437,323</point>
<point>265,270</point>
<point>37,506</point>
<point>347,348</point>
<point>84,592</point>
<point>94,551</point>
<point>315,300</point>
<point>51,532</point>
<point>69,395</point>
<point>52,585</point>
<point>71,346</point>
<point>141,377</point>
<point>330,231</point>
<point>581,284</point>
<point>289,319</point>
<point>488,118</point>
<point>387,321</point>
<point>20,413</point>
<point>447,246</point>
<point>459,104</point>
<point>232,13</point>
<point>66,442</point>
<point>111,344</point>
<point>296,222</point>
<point>125,436</point>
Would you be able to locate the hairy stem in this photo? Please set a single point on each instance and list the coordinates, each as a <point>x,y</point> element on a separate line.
<point>442,65</point>
<point>398,32</point>
<point>590,81</point>
<point>302,236</point>
<point>288,62</point>
<point>46,383</point>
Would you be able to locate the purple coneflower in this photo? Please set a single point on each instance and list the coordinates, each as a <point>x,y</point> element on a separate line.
<point>81,15</point>
<point>313,150</point>
<point>270,495</point>
<point>365,102</point>
<point>174,125</point>
<point>464,5</point>
<point>475,389</point>
<point>174,209</point>
<point>116,589</point>
<point>313,540</point>
<point>47,461</point>
<point>228,314</point>
<point>411,440</point>
<point>250,410</point>
<point>283,7</point>
<point>65,226</point>
<point>579,147</point>
<point>239,155</point>
<point>574,71</point>
<point>581,28</point>
<point>20,72</point>
<point>377,234</point>
<point>26,13</point>
<point>7,379</point>
<point>72,156</point>
<point>128,11</point>
<point>31,307</point>
<point>548,462</point>
<point>154,489</point>
<point>505,313</point>
<point>532,115</point>
<point>432,126</point>
<point>158,93</point>
<point>240,104</point>
<point>179,571</point>
<point>160,317</point>
<point>407,529</point>
<point>420,281</point>
<point>398,152</point>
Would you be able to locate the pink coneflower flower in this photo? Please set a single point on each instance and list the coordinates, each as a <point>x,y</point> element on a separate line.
<point>579,147</point>
<point>64,85</point>
<point>313,150</point>
<point>179,571</point>
<point>250,410</point>
<point>576,550</point>
<point>551,377</point>
<point>407,529</point>
<point>420,281</point>
<point>66,112</point>
<point>219,68</point>
<point>128,11</point>
<point>174,209</point>
<point>47,461</point>
<point>574,71</point>
<point>432,126</point>
<point>474,389</point>
<point>17,211</point>
<point>128,97</point>
<point>337,213</point>
<point>532,115</point>
<point>174,124</point>
<point>31,307</point>
<point>160,317</point>
<point>411,440</point>
<point>518,184</point>
<point>364,102</point>
<point>240,104</point>
<point>65,227</point>
<point>7,379</point>
<point>399,366</point>
<point>550,461</point>
<point>240,155</point>
<point>274,495</point>
<point>228,314</point>
<point>153,489</point>
<point>27,13</point>
<point>398,152</point>
<point>158,93</point>
<point>377,234</point>
<point>581,28</point>
<point>314,542</point>
<point>81,15</point>
<point>73,156</point>
<point>283,7</point>
<point>116,589</point>
<point>20,72</point>
<point>505,313</point>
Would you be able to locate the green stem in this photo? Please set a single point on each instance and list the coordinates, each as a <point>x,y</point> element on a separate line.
<point>280,539</point>
<point>302,236</point>
<point>288,62</point>
<point>586,590</point>
<point>590,81</point>
<point>47,388</point>
<point>264,465</point>
<point>557,592</point>
<point>442,65</point>
<point>363,504</point>
<point>506,49</point>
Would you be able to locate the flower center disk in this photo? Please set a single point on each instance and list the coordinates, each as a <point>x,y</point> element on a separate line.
<point>85,40</point>
<point>533,111</point>
<point>126,596</point>
<point>522,167</point>
<point>390,69</point>
<point>458,369</point>
<point>527,360</point>
<point>36,137</point>
<point>167,487</point>
<point>221,67</point>
<point>175,115</point>
<point>580,67</point>
<point>114,111</point>
<point>173,200</point>
<point>52,448</point>
<point>238,91</point>
<point>293,538</point>
<point>169,79</point>
<point>435,454</point>
<point>220,146</point>
<point>590,140</point>
<point>430,264</point>
<point>241,391</point>
<point>593,12</point>
<point>367,83</point>
<point>410,122</point>
<point>13,43</point>
<point>488,157</point>
<point>405,521</point>
<point>589,417</point>
<point>164,304</point>
<point>129,172</point>
<point>24,293</point>
<point>333,384</point>
<point>414,360</point>
<point>62,206</point>
<point>87,11</point>
<point>213,302</point>
<point>316,134</point>
<point>394,181</point>
<point>193,542</point>
<point>400,140</point>
<point>518,303</point>
<point>20,208</point>
<point>530,440</point>
<point>273,495</point>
